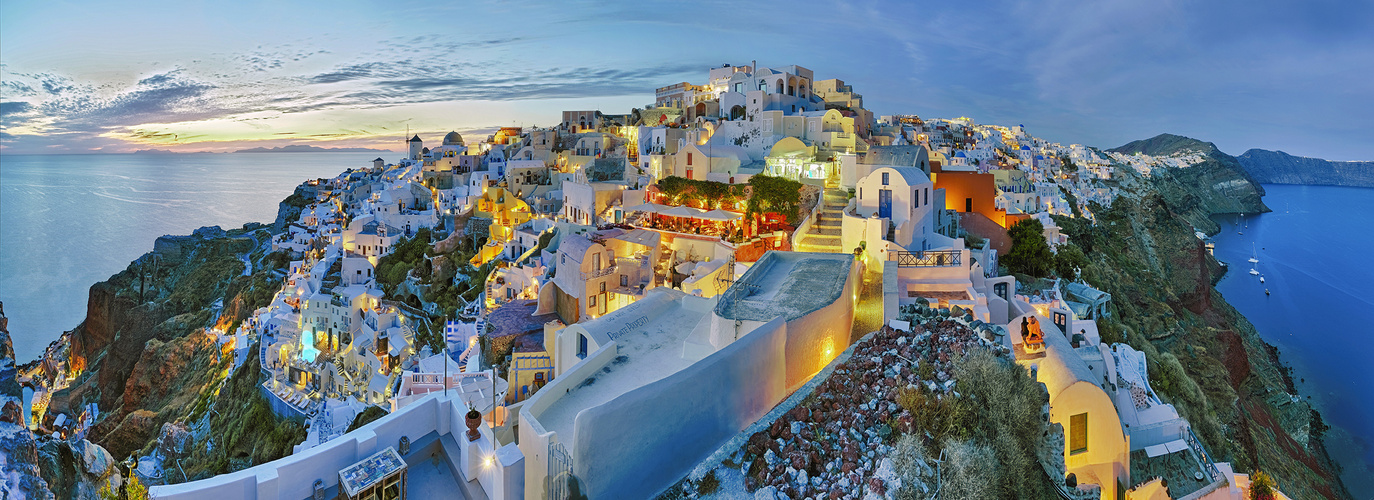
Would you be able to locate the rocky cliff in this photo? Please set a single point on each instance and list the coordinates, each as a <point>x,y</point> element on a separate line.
<point>1204,357</point>
<point>1278,167</point>
<point>41,466</point>
<point>1218,185</point>
<point>143,353</point>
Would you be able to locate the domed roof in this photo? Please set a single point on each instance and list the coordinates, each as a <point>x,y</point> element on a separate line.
<point>1025,148</point>
<point>453,139</point>
<point>960,154</point>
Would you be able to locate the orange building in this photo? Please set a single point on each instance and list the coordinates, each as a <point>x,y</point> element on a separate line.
<point>970,192</point>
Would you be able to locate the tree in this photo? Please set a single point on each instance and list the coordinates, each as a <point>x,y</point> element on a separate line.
<point>775,194</point>
<point>1029,253</point>
<point>1069,259</point>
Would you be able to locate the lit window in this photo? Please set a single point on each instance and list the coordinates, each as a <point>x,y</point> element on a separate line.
<point>1078,433</point>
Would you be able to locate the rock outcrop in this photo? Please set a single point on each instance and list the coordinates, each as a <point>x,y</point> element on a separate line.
<point>1278,167</point>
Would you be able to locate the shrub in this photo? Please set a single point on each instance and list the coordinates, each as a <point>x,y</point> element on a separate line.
<point>366,417</point>
<point>909,462</point>
<point>1262,486</point>
<point>1069,258</point>
<point>970,471</point>
<point>708,484</point>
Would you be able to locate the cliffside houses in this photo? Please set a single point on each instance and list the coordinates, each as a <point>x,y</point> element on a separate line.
<point>623,334</point>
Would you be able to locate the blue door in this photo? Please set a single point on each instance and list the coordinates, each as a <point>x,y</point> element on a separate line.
<point>885,203</point>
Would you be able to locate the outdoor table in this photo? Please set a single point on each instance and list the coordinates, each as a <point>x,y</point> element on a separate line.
<point>381,476</point>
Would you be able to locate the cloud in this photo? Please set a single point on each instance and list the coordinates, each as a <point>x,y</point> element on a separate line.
<point>405,82</point>
<point>15,107</point>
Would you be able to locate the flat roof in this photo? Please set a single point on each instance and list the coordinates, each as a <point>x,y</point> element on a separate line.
<point>787,284</point>
<point>648,350</point>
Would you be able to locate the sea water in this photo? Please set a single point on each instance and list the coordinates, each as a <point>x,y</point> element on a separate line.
<point>1313,254</point>
<point>69,221</point>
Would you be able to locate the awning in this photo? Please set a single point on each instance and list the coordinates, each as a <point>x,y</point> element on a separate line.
<point>683,212</point>
<point>721,215</point>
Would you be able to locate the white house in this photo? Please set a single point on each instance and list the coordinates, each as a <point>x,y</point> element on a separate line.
<point>904,197</point>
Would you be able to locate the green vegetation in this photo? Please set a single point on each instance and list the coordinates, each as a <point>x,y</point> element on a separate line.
<point>701,194</point>
<point>243,429</point>
<point>775,194</point>
<point>1203,356</point>
<point>368,415</point>
<point>1067,164</point>
<point>134,489</point>
<point>1069,258</point>
<point>1029,253</point>
<point>709,484</point>
<point>995,420</point>
<point>404,257</point>
<point>1262,486</point>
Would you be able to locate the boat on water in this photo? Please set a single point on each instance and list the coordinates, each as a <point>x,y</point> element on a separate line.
<point>1266,291</point>
<point>1254,256</point>
<point>1261,278</point>
<point>1253,272</point>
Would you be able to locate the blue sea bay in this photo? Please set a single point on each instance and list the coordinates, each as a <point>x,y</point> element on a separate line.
<point>1312,252</point>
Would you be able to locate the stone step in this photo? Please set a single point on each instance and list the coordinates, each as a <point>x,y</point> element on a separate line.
<point>821,239</point>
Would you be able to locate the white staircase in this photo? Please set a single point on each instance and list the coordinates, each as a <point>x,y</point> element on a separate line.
<point>824,235</point>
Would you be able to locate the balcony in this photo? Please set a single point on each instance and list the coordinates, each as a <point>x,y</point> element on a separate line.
<point>597,274</point>
<point>934,258</point>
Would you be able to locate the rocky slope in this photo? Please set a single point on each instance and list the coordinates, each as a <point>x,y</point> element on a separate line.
<point>1205,357</point>
<point>1278,167</point>
<point>40,466</point>
<point>1219,185</point>
<point>142,353</point>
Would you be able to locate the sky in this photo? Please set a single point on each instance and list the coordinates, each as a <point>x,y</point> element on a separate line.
<point>81,77</point>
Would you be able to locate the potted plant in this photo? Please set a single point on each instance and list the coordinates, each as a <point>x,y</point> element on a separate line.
<point>474,419</point>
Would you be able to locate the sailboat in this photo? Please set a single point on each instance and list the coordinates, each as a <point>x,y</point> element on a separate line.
<point>1253,272</point>
<point>1254,257</point>
<point>1241,230</point>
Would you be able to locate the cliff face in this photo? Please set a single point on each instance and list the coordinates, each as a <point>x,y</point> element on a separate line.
<point>1218,185</point>
<point>1278,167</point>
<point>1204,357</point>
<point>41,467</point>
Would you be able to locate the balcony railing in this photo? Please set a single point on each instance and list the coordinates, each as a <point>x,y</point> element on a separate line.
<point>935,258</point>
<point>597,274</point>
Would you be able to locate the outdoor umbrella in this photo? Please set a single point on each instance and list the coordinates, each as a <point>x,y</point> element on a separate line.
<point>720,215</point>
<point>682,212</point>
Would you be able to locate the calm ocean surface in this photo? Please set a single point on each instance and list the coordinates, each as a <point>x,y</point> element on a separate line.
<point>69,221</point>
<point>1313,253</point>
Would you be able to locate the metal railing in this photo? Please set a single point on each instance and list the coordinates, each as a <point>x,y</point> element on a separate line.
<point>1207,465</point>
<point>933,258</point>
<point>597,274</point>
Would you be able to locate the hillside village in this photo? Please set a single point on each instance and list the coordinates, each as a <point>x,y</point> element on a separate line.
<point>752,285</point>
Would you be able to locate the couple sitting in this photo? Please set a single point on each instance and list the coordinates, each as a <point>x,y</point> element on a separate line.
<point>1031,336</point>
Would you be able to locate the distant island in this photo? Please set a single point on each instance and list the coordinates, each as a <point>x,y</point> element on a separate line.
<point>302,148</point>
<point>1278,167</point>
<point>154,152</point>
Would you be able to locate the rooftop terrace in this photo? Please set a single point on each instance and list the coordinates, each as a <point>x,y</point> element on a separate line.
<point>787,284</point>
<point>649,336</point>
